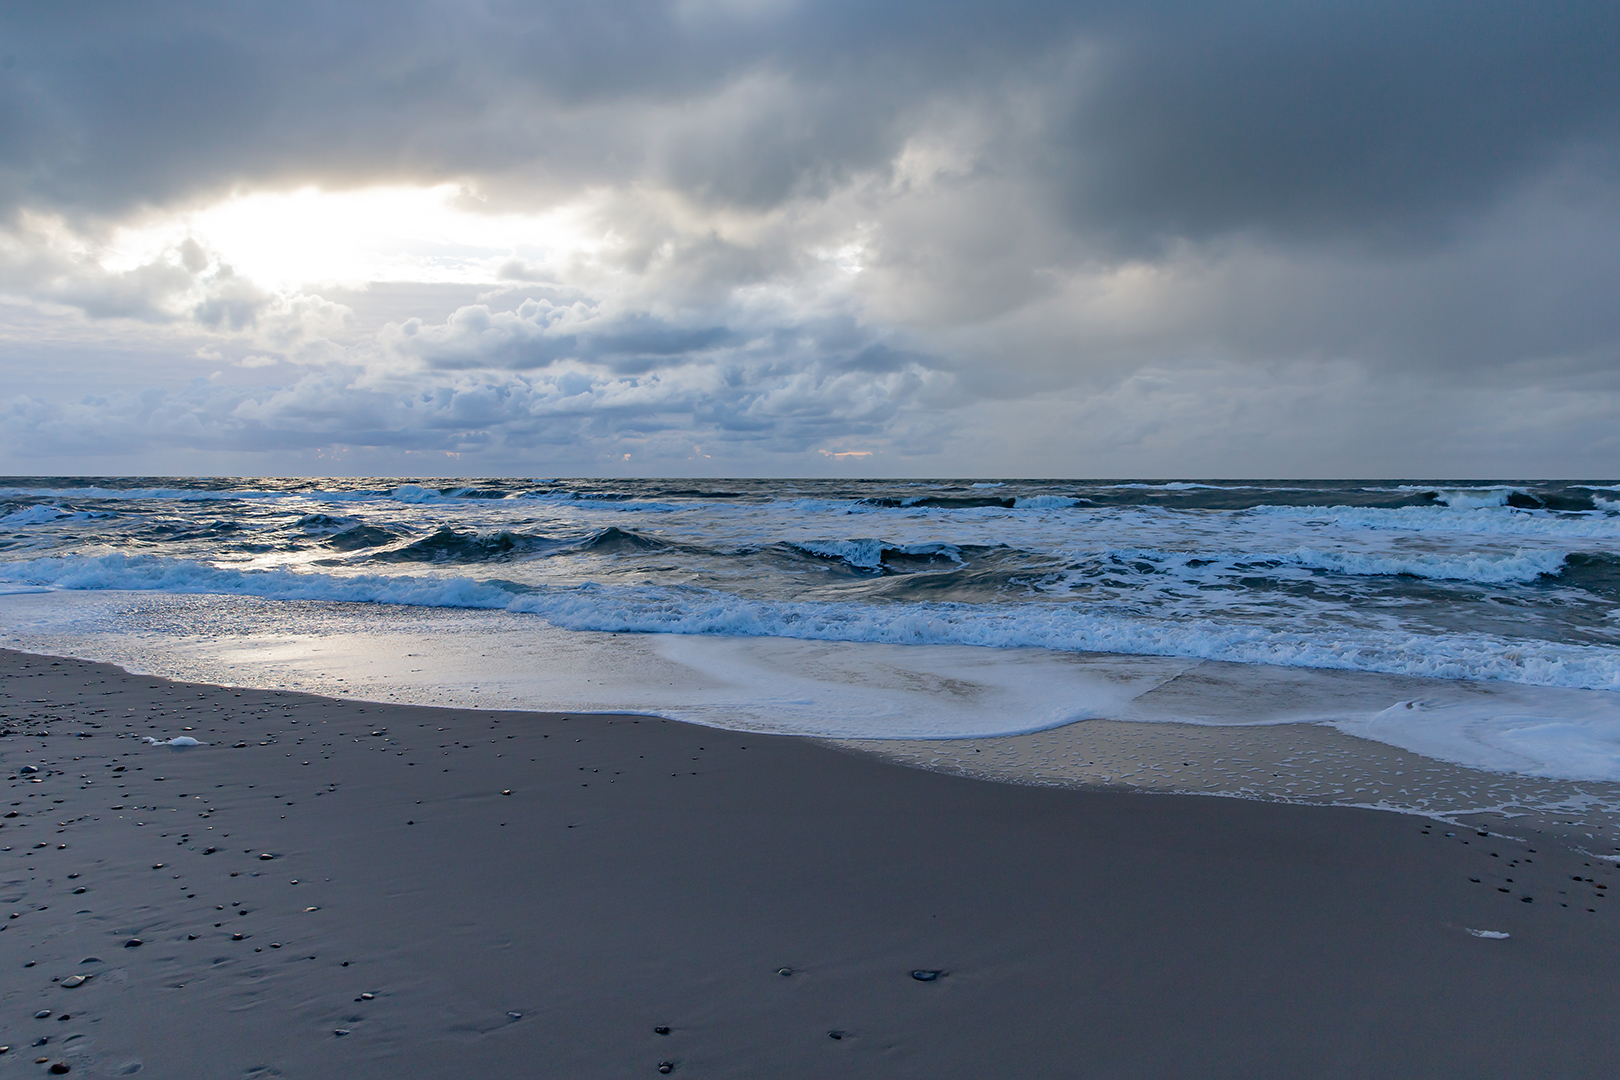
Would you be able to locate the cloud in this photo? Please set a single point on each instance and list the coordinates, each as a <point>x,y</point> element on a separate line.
<point>797,228</point>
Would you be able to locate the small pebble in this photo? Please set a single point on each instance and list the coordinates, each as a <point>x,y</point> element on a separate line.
<point>666,1066</point>
<point>368,996</point>
<point>340,1032</point>
<point>661,1030</point>
<point>73,980</point>
<point>925,976</point>
<point>133,943</point>
<point>266,857</point>
<point>42,1014</point>
<point>61,1067</point>
<point>514,1016</point>
<point>784,972</point>
<point>836,1034</point>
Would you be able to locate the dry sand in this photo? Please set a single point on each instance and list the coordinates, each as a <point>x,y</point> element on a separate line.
<point>765,899</point>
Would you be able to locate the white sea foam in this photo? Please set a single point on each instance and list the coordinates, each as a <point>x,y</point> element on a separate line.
<point>678,610</point>
<point>1447,520</point>
<point>1520,566</point>
<point>1569,736</point>
<point>823,688</point>
<point>33,515</point>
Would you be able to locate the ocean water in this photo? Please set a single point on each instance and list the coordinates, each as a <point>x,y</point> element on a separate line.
<point>1473,623</point>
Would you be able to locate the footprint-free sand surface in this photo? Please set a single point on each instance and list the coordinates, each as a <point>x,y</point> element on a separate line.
<point>335,888</point>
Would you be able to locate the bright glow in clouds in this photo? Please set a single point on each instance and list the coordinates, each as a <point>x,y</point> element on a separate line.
<point>310,237</point>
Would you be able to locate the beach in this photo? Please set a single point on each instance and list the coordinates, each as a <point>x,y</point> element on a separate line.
<point>343,888</point>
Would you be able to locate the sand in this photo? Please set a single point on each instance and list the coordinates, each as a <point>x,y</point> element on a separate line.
<point>532,895</point>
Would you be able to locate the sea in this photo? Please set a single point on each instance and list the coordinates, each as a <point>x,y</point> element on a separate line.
<point>1472,623</point>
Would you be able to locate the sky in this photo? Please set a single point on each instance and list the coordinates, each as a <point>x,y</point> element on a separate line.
<point>777,238</point>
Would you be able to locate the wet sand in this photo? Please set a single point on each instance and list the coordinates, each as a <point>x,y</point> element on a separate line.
<point>532,895</point>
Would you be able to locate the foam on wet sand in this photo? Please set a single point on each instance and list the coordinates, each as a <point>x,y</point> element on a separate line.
<point>474,893</point>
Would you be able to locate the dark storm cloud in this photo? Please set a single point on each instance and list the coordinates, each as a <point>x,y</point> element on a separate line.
<point>1151,120</point>
<point>1322,118</point>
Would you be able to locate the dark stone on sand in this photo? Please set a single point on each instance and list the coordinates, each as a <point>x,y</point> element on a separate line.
<point>1527,899</point>
<point>28,770</point>
<point>61,1067</point>
<point>340,1032</point>
<point>514,1016</point>
<point>42,1014</point>
<point>661,1030</point>
<point>133,943</point>
<point>236,937</point>
<point>784,972</point>
<point>836,1034</point>
<point>266,857</point>
<point>367,996</point>
<point>92,960</point>
<point>925,975</point>
<point>666,1066</point>
<point>63,1017</point>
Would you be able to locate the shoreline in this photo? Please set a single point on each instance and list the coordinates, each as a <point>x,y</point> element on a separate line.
<point>1078,931</point>
<point>1298,764</point>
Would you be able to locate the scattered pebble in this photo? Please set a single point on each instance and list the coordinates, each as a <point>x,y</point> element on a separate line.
<point>784,972</point>
<point>836,1034</point>
<point>42,1014</point>
<point>514,1016</point>
<point>661,1030</point>
<point>340,1032</point>
<point>925,975</point>
<point>73,980</point>
<point>666,1066</point>
<point>133,943</point>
